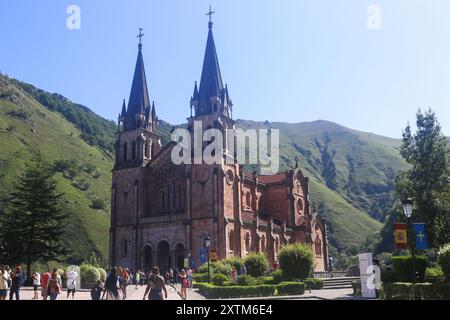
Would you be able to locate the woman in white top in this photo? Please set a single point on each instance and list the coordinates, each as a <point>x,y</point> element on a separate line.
<point>5,281</point>
<point>36,284</point>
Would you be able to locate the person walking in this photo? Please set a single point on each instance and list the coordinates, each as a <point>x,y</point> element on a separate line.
<point>96,291</point>
<point>36,284</point>
<point>184,284</point>
<point>243,270</point>
<point>234,275</point>
<point>5,282</point>
<point>44,280</point>
<point>113,286</point>
<point>72,278</point>
<point>171,275</point>
<point>54,286</point>
<point>137,278</point>
<point>17,280</point>
<point>125,281</point>
<point>155,285</point>
<point>189,277</point>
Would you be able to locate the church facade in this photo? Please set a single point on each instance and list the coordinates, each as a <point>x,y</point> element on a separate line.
<point>162,213</point>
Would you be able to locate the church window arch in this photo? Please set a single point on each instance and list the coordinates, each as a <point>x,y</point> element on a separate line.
<point>247,243</point>
<point>318,246</point>
<point>167,196</point>
<point>231,240</point>
<point>133,150</point>
<point>248,199</point>
<point>263,243</point>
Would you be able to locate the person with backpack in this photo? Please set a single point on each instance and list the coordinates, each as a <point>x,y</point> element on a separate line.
<point>18,279</point>
<point>113,286</point>
<point>96,291</point>
<point>54,286</point>
<point>155,285</point>
<point>5,282</point>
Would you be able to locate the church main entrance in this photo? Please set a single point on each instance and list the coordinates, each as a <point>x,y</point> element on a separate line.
<point>163,256</point>
<point>148,259</point>
<point>179,256</point>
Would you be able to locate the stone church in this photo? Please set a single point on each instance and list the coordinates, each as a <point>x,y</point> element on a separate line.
<point>162,213</point>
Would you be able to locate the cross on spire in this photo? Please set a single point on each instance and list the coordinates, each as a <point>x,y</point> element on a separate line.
<point>140,35</point>
<point>210,14</point>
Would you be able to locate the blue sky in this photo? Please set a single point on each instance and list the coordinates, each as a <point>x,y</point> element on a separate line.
<point>286,60</point>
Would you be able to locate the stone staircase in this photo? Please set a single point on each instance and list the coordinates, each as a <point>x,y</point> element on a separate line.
<point>339,283</point>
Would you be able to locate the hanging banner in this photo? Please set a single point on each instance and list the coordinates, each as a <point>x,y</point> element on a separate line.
<point>400,236</point>
<point>420,236</point>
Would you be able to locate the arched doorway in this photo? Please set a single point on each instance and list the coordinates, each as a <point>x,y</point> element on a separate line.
<point>179,256</point>
<point>163,256</point>
<point>148,258</point>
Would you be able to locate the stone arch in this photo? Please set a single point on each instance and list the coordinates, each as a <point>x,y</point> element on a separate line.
<point>163,255</point>
<point>231,240</point>
<point>147,257</point>
<point>125,152</point>
<point>247,243</point>
<point>180,254</point>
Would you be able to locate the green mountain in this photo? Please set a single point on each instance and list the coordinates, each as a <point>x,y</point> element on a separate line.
<point>351,172</point>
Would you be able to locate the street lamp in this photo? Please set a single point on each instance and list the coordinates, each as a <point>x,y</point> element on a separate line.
<point>207,245</point>
<point>407,209</point>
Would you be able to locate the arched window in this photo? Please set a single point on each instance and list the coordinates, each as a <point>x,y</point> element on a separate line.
<point>174,195</point>
<point>180,196</point>
<point>263,243</point>
<point>318,246</point>
<point>231,240</point>
<point>133,150</point>
<point>247,243</point>
<point>162,202</point>
<point>125,152</point>
<point>167,196</point>
<point>147,149</point>
<point>248,199</point>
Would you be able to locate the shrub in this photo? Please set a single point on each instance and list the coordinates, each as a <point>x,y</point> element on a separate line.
<point>216,292</point>
<point>89,275</point>
<point>98,204</point>
<point>246,280</point>
<point>256,264</point>
<point>313,283</point>
<point>219,279</point>
<point>290,288</point>
<point>398,291</point>
<point>223,267</point>
<point>356,285</point>
<point>200,277</point>
<point>102,274</point>
<point>296,261</point>
<point>419,291</point>
<point>265,280</point>
<point>235,262</point>
<point>434,272</point>
<point>388,276</point>
<point>403,268</point>
<point>278,276</point>
<point>444,260</point>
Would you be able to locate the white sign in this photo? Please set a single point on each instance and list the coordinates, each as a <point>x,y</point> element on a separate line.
<point>365,270</point>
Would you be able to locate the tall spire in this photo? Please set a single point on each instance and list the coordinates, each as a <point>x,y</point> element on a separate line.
<point>139,98</point>
<point>211,85</point>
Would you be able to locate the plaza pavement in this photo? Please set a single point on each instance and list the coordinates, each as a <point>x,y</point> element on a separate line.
<point>137,294</point>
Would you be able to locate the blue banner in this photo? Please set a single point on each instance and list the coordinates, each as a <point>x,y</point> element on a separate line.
<point>191,262</point>
<point>420,236</point>
<point>202,253</point>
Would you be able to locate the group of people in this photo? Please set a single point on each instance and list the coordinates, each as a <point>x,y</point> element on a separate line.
<point>234,273</point>
<point>49,282</point>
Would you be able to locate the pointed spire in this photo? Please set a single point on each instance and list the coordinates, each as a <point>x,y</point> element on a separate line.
<point>139,98</point>
<point>124,110</point>
<point>195,95</point>
<point>211,84</point>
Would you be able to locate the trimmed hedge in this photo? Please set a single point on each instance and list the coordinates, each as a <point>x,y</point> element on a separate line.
<point>246,280</point>
<point>216,292</point>
<point>403,268</point>
<point>290,288</point>
<point>200,277</point>
<point>257,264</point>
<point>420,291</point>
<point>313,283</point>
<point>219,279</point>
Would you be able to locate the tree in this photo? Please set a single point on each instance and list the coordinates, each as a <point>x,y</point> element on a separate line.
<point>296,261</point>
<point>32,224</point>
<point>427,181</point>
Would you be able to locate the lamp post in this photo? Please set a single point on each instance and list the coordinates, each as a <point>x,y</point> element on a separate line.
<point>407,209</point>
<point>207,245</point>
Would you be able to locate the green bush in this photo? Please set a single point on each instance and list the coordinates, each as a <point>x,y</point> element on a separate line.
<point>204,268</point>
<point>219,279</point>
<point>235,262</point>
<point>419,291</point>
<point>356,285</point>
<point>246,280</point>
<point>444,260</point>
<point>223,267</point>
<point>432,291</point>
<point>290,288</point>
<point>278,276</point>
<point>403,268</point>
<point>89,276</point>
<point>257,264</point>
<point>313,283</point>
<point>265,280</point>
<point>296,261</point>
<point>216,292</point>
<point>388,276</point>
<point>434,272</point>
<point>102,274</point>
<point>200,277</point>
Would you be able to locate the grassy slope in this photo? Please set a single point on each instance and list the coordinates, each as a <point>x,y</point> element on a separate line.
<point>25,125</point>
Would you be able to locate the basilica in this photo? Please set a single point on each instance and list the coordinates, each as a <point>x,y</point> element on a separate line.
<point>169,215</point>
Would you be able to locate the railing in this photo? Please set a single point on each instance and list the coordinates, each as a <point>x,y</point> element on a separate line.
<point>327,274</point>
